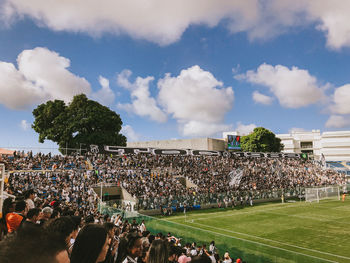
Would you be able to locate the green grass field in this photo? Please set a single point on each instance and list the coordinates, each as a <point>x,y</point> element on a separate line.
<point>270,232</point>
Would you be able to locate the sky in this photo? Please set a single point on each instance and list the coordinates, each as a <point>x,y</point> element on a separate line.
<point>177,69</point>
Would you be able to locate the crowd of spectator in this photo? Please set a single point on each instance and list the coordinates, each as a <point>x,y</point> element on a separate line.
<point>58,233</point>
<point>55,201</point>
<point>154,179</point>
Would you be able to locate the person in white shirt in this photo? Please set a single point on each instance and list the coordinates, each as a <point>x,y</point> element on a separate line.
<point>227,258</point>
<point>30,195</point>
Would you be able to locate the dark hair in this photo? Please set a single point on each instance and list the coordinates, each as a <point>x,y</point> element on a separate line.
<point>31,245</point>
<point>201,259</point>
<point>145,233</point>
<point>20,206</point>
<point>54,214</point>
<point>33,212</point>
<point>62,226</point>
<point>158,252</point>
<point>8,202</point>
<point>88,244</point>
<point>76,221</point>
<point>89,219</point>
<point>126,244</point>
<point>108,226</point>
<point>28,193</point>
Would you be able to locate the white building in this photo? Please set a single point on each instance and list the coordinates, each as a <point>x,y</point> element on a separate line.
<point>194,144</point>
<point>335,146</point>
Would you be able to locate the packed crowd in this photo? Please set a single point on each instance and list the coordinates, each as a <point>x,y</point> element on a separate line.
<point>55,202</point>
<point>55,232</point>
<point>154,179</point>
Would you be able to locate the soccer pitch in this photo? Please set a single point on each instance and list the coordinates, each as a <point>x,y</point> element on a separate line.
<point>270,232</point>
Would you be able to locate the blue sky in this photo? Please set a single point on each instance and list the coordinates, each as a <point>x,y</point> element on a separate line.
<point>219,66</point>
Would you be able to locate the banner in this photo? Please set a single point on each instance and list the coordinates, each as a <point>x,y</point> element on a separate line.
<point>119,150</point>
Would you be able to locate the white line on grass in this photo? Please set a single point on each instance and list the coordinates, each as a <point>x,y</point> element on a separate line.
<point>274,241</point>
<point>321,219</point>
<point>233,210</point>
<point>250,241</point>
<point>255,211</point>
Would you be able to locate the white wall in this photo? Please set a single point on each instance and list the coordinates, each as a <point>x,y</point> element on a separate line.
<point>334,145</point>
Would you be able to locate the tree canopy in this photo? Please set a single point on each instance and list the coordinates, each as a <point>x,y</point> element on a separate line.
<point>261,140</point>
<point>82,121</point>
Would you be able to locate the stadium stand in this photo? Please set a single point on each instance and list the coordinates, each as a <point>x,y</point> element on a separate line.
<point>64,185</point>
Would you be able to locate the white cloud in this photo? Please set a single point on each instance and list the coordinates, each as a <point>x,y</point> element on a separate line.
<point>201,128</point>
<point>261,98</point>
<point>293,87</point>
<point>334,21</point>
<point>158,21</point>
<point>196,100</point>
<point>155,20</point>
<point>295,129</point>
<point>337,121</point>
<point>341,99</point>
<point>129,132</point>
<point>245,129</point>
<point>105,95</point>
<point>24,125</point>
<point>142,102</point>
<point>41,75</point>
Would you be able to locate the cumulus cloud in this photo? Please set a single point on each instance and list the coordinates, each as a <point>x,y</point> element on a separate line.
<point>245,129</point>
<point>129,132</point>
<point>41,75</point>
<point>25,125</point>
<point>334,21</point>
<point>197,100</point>
<point>261,98</point>
<point>341,99</point>
<point>158,21</point>
<point>201,128</point>
<point>294,88</point>
<point>154,20</point>
<point>337,121</point>
<point>105,95</point>
<point>142,102</point>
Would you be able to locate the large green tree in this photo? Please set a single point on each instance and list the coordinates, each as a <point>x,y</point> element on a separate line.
<point>261,140</point>
<point>82,121</point>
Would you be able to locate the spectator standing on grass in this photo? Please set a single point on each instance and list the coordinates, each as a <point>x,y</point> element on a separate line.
<point>183,257</point>
<point>212,247</point>
<point>227,258</point>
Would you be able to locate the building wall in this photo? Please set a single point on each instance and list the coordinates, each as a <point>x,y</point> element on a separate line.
<point>335,146</point>
<point>195,144</point>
